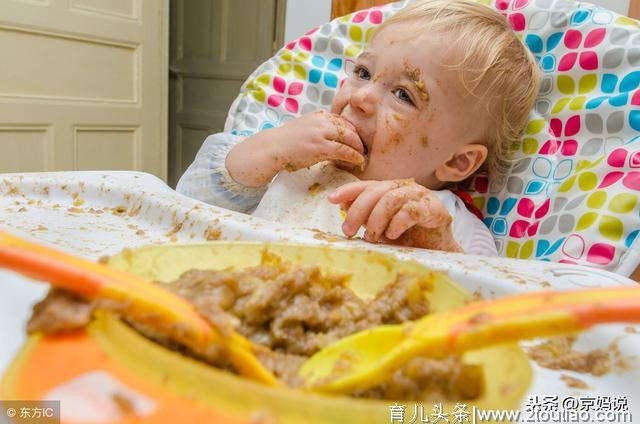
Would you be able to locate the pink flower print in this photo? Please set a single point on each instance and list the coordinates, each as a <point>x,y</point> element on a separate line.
<point>618,158</point>
<point>588,59</point>
<point>374,15</point>
<point>516,19</point>
<point>611,178</point>
<point>526,209</point>
<point>601,253</point>
<point>567,147</point>
<point>303,42</point>
<point>520,228</point>
<point>630,180</point>
<point>598,253</point>
<point>286,94</point>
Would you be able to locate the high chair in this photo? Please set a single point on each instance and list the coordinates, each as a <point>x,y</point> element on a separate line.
<point>573,192</point>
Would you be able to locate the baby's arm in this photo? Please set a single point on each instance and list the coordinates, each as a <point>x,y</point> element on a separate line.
<point>232,171</point>
<point>208,180</point>
<point>300,143</point>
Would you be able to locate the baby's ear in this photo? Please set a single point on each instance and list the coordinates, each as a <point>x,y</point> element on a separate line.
<point>464,162</point>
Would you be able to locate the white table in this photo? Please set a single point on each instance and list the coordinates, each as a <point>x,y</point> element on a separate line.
<point>91,214</point>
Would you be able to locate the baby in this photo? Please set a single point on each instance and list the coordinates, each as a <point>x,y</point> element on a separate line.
<point>443,88</point>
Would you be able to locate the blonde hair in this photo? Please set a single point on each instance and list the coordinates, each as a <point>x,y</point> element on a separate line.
<point>497,67</point>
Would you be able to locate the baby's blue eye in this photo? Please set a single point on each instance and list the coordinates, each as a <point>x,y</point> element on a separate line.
<point>362,73</point>
<point>403,95</point>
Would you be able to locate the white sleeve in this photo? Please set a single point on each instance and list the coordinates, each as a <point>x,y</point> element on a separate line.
<point>207,178</point>
<point>468,231</point>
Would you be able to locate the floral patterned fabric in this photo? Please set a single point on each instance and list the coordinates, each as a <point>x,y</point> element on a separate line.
<point>573,193</point>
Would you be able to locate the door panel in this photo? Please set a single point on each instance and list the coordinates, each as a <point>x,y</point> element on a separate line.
<point>16,140</point>
<point>91,144</point>
<point>52,66</point>
<point>215,45</point>
<point>83,85</point>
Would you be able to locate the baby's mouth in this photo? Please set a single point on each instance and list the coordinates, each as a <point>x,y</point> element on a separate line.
<point>365,148</point>
<point>365,152</point>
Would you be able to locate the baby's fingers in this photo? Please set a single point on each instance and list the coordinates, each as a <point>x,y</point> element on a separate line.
<point>383,212</point>
<point>349,192</point>
<point>353,140</point>
<point>436,215</point>
<point>338,151</point>
<point>346,133</point>
<point>361,208</point>
<point>409,215</point>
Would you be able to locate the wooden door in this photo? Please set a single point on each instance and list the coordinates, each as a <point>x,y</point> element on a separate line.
<point>83,85</point>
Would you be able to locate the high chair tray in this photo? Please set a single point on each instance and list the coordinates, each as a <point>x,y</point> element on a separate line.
<point>93,214</point>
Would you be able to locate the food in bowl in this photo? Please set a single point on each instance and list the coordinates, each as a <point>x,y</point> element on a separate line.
<point>293,311</point>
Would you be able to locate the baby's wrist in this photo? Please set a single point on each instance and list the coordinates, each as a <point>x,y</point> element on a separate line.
<point>252,163</point>
<point>271,149</point>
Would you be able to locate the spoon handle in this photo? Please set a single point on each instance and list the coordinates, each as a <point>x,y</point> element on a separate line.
<point>96,281</point>
<point>532,315</point>
<point>134,296</point>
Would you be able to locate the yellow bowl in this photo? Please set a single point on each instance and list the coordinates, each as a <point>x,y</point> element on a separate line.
<point>184,389</point>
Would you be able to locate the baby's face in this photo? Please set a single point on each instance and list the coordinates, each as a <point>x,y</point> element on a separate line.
<point>407,109</point>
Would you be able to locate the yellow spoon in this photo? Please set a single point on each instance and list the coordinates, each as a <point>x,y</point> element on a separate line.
<point>134,297</point>
<point>368,358</point>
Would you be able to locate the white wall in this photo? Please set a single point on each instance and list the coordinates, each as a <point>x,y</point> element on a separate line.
<point>303,15</point>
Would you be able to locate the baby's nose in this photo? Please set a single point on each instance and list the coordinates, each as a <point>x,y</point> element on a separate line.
<point>365,100</point>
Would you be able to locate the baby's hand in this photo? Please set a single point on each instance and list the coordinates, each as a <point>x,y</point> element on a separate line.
<point>316,137</point>
<point>397,212</point>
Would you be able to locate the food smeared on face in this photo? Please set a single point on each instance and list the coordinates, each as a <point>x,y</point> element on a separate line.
<point>406,107</point>
<point>415,75</point>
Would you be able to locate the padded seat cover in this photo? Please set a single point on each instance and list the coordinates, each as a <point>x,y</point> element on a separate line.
<point>573,193</point>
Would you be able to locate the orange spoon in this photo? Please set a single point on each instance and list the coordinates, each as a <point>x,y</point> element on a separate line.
<point>134,296</point>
